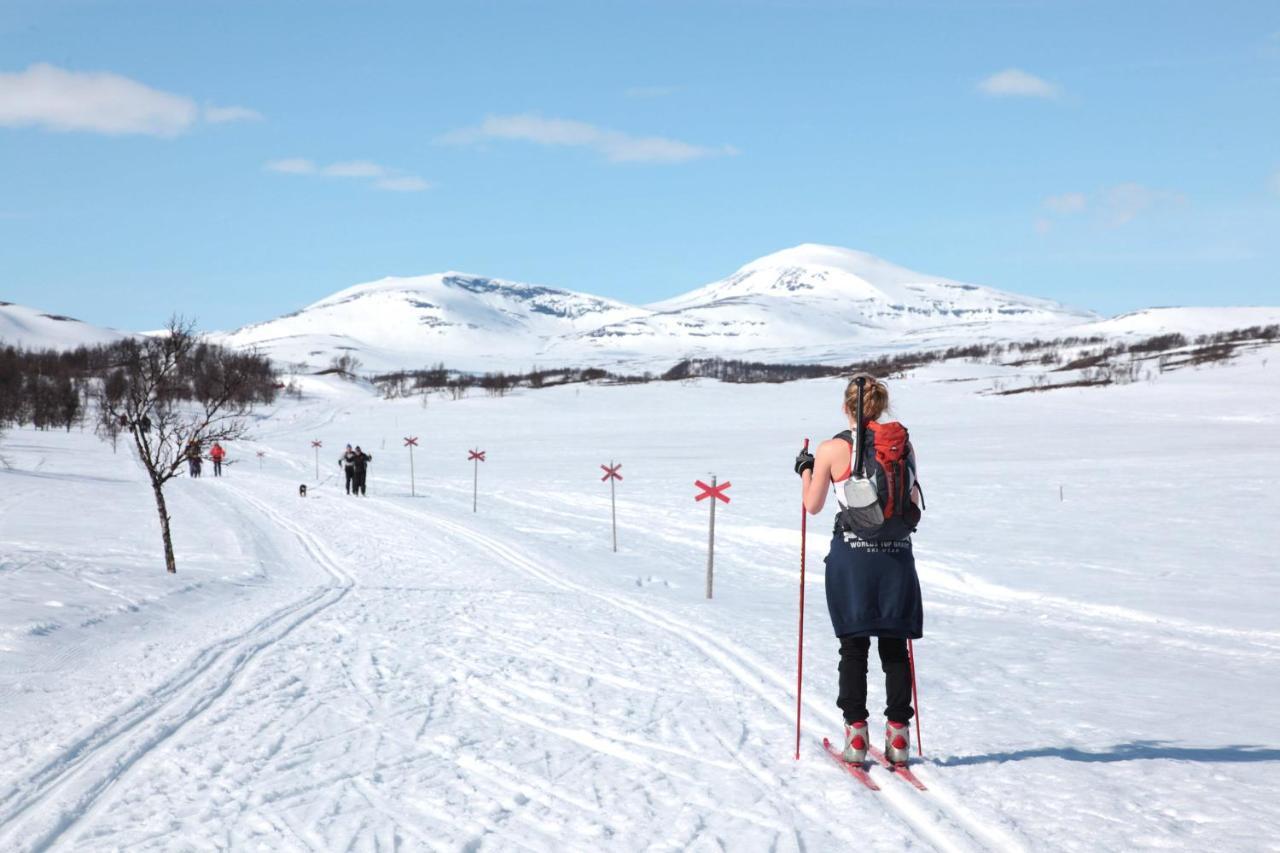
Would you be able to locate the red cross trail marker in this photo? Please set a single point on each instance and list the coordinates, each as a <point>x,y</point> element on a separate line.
<point>717,493</point>
<point>317,444</point>
<point>712,491</point>
<point>478,457</point>
<point>611,474</point>
<point>411,442</point>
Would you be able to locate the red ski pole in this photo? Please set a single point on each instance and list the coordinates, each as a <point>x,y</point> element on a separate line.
<point>804,526</point>
<point>915,699</point>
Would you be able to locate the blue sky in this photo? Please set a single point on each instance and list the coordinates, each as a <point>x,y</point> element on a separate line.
<point>234,161</point>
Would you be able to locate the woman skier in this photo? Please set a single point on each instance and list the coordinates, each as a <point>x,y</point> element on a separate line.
<point>871,584</point>
<point>217,454</point>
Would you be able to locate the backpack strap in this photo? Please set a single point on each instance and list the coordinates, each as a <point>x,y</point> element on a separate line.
<point>845,436</point>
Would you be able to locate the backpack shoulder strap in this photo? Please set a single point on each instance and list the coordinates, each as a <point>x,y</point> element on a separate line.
<point>846,436</point>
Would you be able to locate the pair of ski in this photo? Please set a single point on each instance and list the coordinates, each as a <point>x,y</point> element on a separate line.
<point>860,773</point>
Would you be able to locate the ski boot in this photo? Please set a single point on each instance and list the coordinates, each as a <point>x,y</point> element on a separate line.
<point>855,743</point>
<point>897,743</point>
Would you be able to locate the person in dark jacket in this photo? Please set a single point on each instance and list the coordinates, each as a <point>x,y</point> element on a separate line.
<point>193,458</point>
<point>362,461</point>
<point>347,462</point>
<point>871,582</point>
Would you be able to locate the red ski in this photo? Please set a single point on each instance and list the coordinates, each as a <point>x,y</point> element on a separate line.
<point>897,769</point>
<point>852,769</point>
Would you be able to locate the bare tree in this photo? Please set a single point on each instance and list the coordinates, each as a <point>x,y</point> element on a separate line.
<point>172,393</point>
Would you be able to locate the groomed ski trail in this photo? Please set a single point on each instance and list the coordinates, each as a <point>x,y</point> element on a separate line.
<point>945,823</point>
<point>42,808</point>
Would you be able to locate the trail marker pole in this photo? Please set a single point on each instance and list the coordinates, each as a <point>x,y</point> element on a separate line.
<point>716,493</point>
<point>317,444</point>
<point>411,442</point>
<point>611,474</point>
<point>804,529</point>
<point>261,453</point>
<point>478,457</point>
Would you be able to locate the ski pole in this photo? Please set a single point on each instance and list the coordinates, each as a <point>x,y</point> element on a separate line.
<point>915,699</point>
<point>804,526</point>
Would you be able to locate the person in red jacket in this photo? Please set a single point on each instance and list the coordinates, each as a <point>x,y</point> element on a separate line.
<point>217,454</point>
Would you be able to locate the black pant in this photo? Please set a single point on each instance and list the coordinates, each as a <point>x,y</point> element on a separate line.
<point>361,484</point>
<point>351,478</point>
<point>217,467</point>
<point>853,678</point>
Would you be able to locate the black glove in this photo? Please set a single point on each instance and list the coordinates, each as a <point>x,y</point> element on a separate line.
<point>804,462</point>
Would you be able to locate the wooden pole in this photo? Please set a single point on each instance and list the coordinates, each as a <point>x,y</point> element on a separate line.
<point>613,505</point>
<point>413,488</point>
<point>317,464</point>
<point>475,484</point>
<point>711,541</point>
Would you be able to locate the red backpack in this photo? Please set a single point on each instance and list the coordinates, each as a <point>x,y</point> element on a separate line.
<point>889,461</point>
<point>893,446</point>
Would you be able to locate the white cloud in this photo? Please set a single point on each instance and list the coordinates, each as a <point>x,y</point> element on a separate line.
<point>1066,203</point>
<point>1115,206</point>
<point>1125,202</point>
<point>98,102</point>
<point>651,91</point>
<point>225,115</point>
<point>53,98</point>
<point>1016,83</point>
<point>380,177</point>
<point>291,166</point>
<point>354,169</point>
<point>616,146</point>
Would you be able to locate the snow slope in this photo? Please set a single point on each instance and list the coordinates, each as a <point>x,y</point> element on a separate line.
<point>822,302</point>
<point>31,329</point>
<point>399,673</point>
<point>810,302</point>
<point>1186,321</point>
<point>418,321</point>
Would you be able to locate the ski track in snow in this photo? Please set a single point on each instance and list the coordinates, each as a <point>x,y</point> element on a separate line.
<point>66,789</point>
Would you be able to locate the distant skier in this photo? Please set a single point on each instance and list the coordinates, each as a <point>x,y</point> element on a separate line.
<point>871,583</point>
<point>347,462</point>
<point>193,458</point>
<point>217,454</point>
<point>362,470</point>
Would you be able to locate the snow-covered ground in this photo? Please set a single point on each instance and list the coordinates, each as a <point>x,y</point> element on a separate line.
<point>1099,671</point>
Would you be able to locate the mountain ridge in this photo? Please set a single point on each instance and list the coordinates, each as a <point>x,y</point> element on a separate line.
<point>804,298</point>
<point>807,303</point>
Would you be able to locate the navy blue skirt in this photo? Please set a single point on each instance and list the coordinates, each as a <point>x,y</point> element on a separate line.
<point>873,589</point>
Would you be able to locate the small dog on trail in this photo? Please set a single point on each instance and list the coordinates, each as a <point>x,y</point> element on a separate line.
<point>302,490</point>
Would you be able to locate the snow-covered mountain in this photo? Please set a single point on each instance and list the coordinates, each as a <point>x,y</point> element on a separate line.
<point>811,302</point>
<point>463,320</point>
<point>823,302</point>
<point>32,329</point>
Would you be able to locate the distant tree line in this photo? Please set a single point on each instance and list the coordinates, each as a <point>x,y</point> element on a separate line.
<point>46,389</point>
